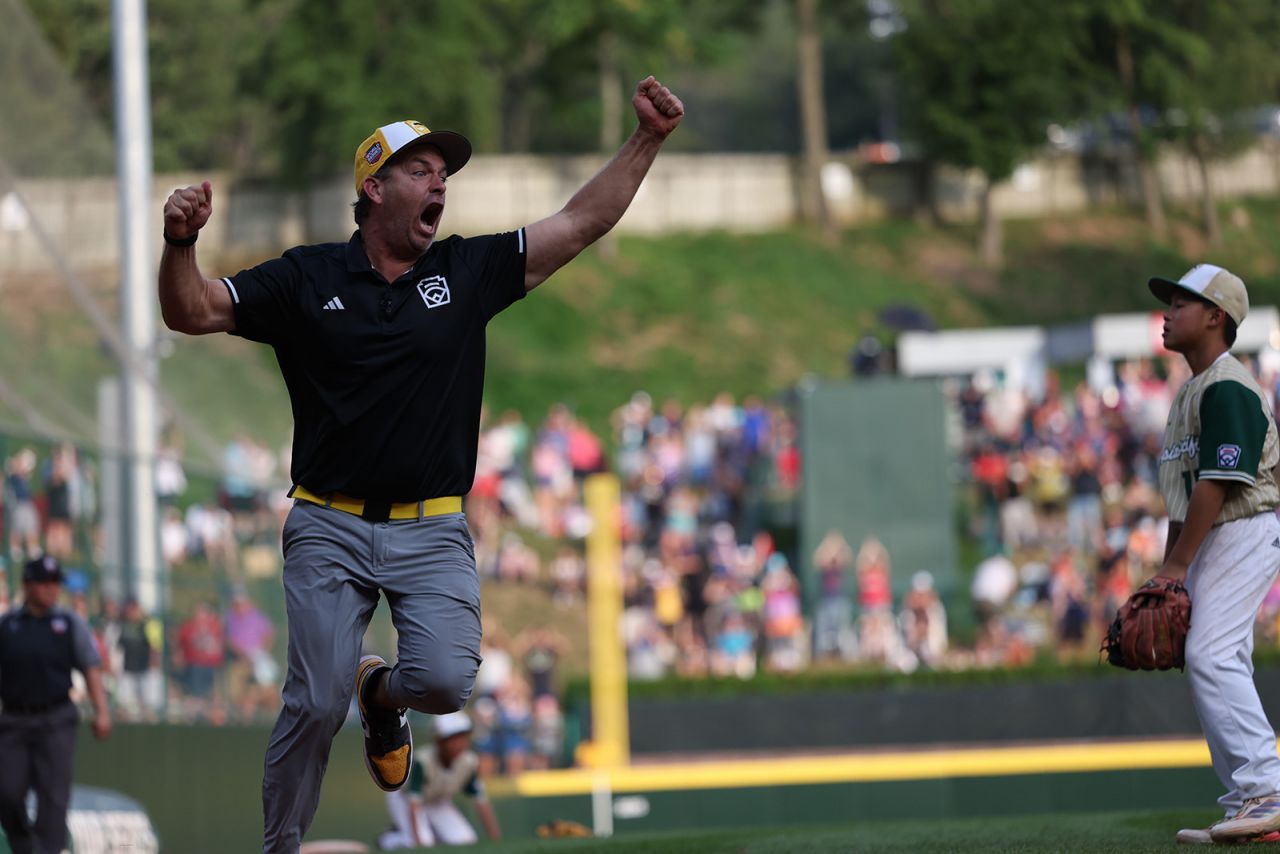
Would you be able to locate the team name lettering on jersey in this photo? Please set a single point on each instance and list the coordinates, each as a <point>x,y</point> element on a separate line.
<point>1188,447</point>
<point>1220,428</point>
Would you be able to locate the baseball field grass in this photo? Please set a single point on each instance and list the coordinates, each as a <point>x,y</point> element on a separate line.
<point>1130,832</point>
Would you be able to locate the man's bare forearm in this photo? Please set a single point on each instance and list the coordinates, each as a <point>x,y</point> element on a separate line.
<point>593,210</point>
<point>1207,499</point>
<point>489,819</point>
<point>184,295</point>
<point>1175,528</point>
<point>188,301</point>
<point>97,691</point>
<point>601,202</point>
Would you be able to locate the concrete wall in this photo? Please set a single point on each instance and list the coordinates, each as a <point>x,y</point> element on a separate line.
<point>683,192</point>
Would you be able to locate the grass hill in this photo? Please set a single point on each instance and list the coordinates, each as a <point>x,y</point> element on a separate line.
<point>683,316</point>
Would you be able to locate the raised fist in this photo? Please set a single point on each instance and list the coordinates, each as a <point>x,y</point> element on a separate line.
<point>187,210</point>
<point>657,109</point>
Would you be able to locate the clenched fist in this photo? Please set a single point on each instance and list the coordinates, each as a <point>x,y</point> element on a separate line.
<point>658,110</point>
<point>187,210</point>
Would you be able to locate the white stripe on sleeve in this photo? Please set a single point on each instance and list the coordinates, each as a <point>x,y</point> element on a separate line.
<point>235,296</point>
<point>520,234</point>
<point>1219,474</point>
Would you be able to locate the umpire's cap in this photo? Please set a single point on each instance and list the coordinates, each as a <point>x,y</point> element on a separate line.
<point>44,568</point>
<point>391,139</point>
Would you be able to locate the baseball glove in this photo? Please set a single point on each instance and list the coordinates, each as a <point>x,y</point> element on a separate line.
<point>561,827</point>
<point>1150,629</point>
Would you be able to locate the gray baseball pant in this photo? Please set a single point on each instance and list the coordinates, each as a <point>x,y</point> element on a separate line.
<point>335,564</point>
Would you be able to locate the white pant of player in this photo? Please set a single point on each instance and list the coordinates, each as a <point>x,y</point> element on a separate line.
<point>422,825</point>
<point>1234,569</point>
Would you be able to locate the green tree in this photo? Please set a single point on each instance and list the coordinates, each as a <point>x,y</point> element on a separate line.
<point>635,38</point>
<point>515,75</point>
<point>1182,71</point>
<point>331,71</point>
<point>813,115</point>
<point>583,84</point>
<point>49,126</point>
<point>823,29</point>
<point>1128,52</point>
<point>1226,65</point>
<point>985,78</point>
<point>200,108</point>
<point>519,45</point>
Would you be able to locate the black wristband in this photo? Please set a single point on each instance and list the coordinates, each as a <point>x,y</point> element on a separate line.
<point>189,240</point>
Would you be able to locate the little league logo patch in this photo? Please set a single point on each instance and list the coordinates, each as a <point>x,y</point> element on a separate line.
<point>434,291</point>
<point>1228,456</point>
<point>374,154</point>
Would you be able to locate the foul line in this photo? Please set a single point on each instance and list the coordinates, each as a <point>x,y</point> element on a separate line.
<point>870,767</point>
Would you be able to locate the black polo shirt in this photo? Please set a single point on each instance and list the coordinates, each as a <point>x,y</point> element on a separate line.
<point>37,655</point>
<point>386,379</point>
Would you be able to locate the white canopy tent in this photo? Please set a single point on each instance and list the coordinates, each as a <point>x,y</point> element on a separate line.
<point>1133,336</point>
<point>1019,352</point>
<point>1119,336</point>
<point>1022,354</point>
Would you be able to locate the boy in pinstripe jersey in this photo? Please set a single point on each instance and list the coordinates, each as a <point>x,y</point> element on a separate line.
<point>1216,477</point>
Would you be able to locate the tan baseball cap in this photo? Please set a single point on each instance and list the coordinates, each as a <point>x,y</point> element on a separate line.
<point>1207,281</point>
<point>387,140</point>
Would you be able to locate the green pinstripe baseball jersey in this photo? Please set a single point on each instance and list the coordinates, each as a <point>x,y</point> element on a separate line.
<point>1220,428</point>
<point>435,783</point>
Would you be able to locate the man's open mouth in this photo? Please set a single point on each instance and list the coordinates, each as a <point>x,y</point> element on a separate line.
<point>431,215</point>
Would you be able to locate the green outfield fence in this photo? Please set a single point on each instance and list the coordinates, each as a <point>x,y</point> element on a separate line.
<point>200,786</point>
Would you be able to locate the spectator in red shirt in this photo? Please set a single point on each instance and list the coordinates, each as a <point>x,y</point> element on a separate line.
<point>877,632</point>
<point>200,644</point>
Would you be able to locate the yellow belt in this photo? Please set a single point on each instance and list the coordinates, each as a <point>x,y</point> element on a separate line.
<point>406,510</point>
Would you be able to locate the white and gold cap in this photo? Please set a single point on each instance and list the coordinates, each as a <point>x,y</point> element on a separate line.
<point>1207,281</point>
<point>378,148</point>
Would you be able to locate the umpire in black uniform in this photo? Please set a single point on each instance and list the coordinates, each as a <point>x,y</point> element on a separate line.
<point>381,342</point>
<point>40,644</point>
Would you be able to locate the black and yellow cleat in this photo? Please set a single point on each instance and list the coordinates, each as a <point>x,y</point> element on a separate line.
<point>388,741</point>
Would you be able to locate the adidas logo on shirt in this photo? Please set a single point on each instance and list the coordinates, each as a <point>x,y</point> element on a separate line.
<point>334,304</point>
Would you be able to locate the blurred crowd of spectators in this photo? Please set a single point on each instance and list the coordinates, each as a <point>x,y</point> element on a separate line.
<point>1064,504</point>
<point>1058,491</point>
<point>516,706</point>
<point>49,505</point>
<point>705,592</point>
<point>212,655</point>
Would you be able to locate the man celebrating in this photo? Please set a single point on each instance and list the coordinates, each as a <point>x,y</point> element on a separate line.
<point>381,344</point>
<point>1218,486</point>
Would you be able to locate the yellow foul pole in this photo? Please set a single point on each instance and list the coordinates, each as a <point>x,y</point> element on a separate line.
<point>610,739</point>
